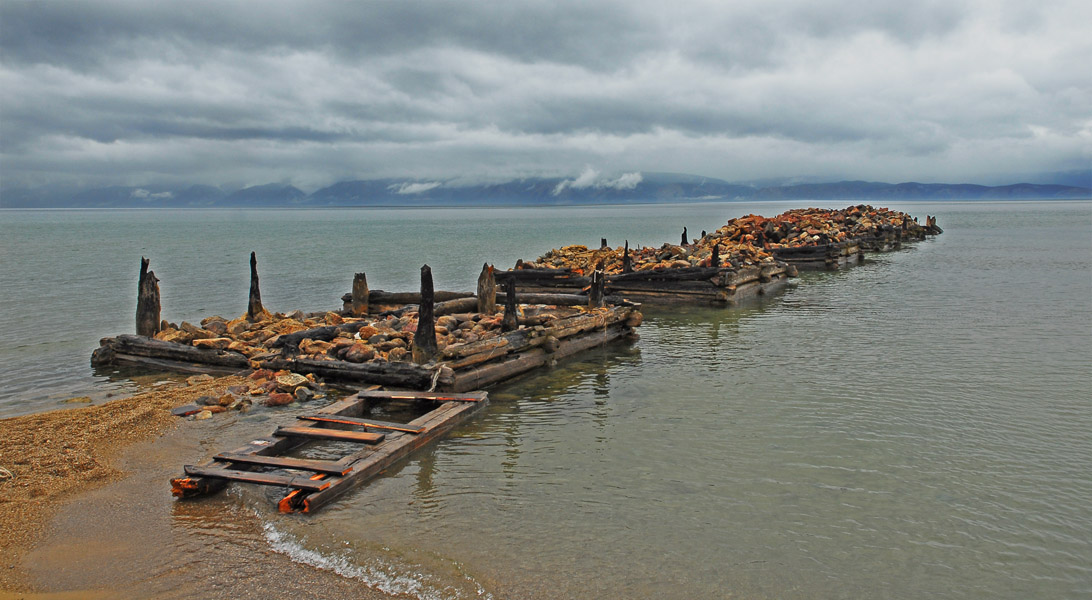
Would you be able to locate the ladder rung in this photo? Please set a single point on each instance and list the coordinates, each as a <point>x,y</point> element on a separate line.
<point>293,481</point>
<point>364,423</point>
<point>318,466</point>
<point>362,437</point>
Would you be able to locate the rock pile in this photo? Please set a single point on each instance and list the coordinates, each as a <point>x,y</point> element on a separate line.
<point>330,336</point>
<point>741,241</point>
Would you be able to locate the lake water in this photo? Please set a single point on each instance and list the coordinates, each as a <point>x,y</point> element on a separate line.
<point>920,425</point>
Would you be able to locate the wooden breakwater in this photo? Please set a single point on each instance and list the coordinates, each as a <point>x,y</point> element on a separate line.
<point>747,257</point>
<point>460,344</point>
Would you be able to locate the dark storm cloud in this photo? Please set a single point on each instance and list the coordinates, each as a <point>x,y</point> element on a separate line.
<point>213,92</point>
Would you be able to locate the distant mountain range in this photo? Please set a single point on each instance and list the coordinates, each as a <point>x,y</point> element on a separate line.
<point>627,188</point>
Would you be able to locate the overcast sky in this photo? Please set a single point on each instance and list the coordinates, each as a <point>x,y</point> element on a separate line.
<point>311,93</point>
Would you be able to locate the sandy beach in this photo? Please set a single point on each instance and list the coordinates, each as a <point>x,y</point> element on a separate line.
<point>87,512</point>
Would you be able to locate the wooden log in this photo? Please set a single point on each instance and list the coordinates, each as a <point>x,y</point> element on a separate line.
<point>148,306</point>
<point>424,341</point>
<point>384,298</point>
<point>627,263</point>
<point>596,293</point>
<point>359,297</point>
<point>522,362</point>
<point>487,290</point>
<point>393,374</point>
<point>254,309</point>
<point>676,274</point>
<point>141,346</point>
<point>510,321</point>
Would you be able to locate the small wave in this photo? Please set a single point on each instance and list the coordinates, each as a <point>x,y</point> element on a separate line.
<point>381,575</point>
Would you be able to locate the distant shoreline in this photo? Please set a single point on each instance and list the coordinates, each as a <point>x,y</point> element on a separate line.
<point>953,201</point>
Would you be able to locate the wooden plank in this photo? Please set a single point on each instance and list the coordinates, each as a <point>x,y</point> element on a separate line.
<point>294,481</point>
<point>361,437</point>
<point>282,462</point>
<point>400,395</point>
<point>363,423</point>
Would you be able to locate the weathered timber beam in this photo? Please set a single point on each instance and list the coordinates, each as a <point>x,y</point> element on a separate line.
<point>136,345</point>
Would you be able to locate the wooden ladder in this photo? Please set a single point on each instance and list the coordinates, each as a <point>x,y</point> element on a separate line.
<point>311,483</point>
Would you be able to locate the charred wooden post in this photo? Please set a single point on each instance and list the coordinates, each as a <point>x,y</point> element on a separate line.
<point>360,295</point>
<point>511,318</point>
<point>703,234</point>
<point>684,242</point>
<point>715,260</point>
<point>627,266</point>
<point>424,340</point>
<point>148,307</point>
<point>602,243</point>
<point>596,293</point>
<point>487,290</point>
<point>254,309</point>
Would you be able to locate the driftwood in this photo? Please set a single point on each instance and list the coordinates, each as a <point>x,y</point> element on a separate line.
<point>148,306</point>
<point>254,307</point>
<point>424,340</point>
<point>359,296</point>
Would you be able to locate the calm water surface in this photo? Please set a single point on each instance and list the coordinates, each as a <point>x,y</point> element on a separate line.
<point>916,426</point>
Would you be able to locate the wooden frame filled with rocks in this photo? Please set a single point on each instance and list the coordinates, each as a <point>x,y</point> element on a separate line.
<point>457,345</point>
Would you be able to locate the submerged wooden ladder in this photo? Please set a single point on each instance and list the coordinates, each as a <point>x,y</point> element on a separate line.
<point>313,483</point>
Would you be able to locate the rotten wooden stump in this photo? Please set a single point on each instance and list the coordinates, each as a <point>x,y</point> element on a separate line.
<point>254,309</point>
<point>487,290</point>
<point>359,307</point>
<point>148,307</point>
<point>424,340</point>
<point>510,322</point>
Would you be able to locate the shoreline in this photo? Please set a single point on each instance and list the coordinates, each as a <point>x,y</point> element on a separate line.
<point>96,472</point>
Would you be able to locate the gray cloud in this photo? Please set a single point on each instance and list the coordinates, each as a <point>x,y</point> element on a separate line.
<point>213,92</point>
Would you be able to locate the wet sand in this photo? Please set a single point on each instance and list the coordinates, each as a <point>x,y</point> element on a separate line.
<point>88,510</point>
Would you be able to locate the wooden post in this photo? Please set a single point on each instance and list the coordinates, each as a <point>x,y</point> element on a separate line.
<point>595,294</point>
<point>487,290</point>
<point>424,341</point>
<point>254,309</point>
<point>684,242</point>
<point>703,233</point>
<point>602,243</point>
<point>360,295</point>
<point>627,266</point>
<point>715,261</point>
<point>147,307</point>
<point>510,322</point>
